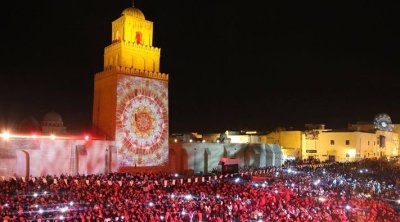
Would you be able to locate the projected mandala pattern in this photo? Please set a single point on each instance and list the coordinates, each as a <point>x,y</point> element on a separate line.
<point>142,121</point>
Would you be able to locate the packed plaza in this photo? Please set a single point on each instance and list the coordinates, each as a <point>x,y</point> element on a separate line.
<point>361,191</point>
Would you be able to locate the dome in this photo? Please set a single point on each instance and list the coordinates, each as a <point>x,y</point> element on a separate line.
<point>52,117</point>
<point>29,124</point>
<point>135,12</point>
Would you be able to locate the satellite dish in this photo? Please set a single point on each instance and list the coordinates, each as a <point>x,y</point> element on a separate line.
<point>383,122</point>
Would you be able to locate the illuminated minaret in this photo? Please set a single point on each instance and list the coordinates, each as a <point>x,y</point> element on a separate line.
<point>132,43</point>
<point>131,96</point>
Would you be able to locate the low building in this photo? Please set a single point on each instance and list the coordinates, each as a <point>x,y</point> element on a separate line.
<point>328,145</point>
<point>316,142</point>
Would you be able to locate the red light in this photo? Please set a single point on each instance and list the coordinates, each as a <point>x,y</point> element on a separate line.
<point>87,137</point>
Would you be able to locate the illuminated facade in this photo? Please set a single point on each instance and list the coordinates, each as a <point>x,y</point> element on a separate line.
<point>131,95</point>
<point>349,146</point>
<point>289,141</point>
<point>323,144</point>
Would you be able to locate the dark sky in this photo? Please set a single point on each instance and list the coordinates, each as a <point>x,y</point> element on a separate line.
<point>232,64</point>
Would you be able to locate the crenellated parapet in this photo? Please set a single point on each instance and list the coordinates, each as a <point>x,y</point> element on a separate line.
<point>134,45</point>
<point>132,71</point>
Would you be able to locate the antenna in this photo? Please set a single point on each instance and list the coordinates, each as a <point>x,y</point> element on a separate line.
<point>133,3</point>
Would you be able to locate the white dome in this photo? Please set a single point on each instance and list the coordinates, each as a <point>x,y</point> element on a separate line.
<point>135,12</point>
<point>52,117</point>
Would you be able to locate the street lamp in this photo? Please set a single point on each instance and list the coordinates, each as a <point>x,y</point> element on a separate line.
<point>194,168</point>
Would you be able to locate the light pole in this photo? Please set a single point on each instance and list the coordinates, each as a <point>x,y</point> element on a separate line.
<point>194,167</point>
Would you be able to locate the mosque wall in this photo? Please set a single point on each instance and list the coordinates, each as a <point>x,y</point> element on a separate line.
<point>31,157</point>
<point>204,157</point>
<point>54,157</point>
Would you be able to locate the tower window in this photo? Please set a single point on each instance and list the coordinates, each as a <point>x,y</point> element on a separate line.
<point>332,142</point>
<point>117,36</point>
<point>138,37</point>
<point>347,142</point>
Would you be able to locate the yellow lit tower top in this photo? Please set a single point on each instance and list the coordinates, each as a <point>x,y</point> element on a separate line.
<point>132,43</point>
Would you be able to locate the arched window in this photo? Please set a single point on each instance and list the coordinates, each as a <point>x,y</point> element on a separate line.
<point>117,36</point>
<point>138,37</point>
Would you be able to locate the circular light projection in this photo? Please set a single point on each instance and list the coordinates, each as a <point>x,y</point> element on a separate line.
<point>142,121</point>
<point>382,121</point>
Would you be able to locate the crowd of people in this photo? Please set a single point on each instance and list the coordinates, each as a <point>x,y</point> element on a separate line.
<point>361,191</point>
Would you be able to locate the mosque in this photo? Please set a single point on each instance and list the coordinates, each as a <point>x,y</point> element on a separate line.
<point>130,113</point>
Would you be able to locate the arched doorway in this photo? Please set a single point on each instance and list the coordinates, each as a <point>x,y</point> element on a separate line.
<point>23,164</point>
<point>206,154</point>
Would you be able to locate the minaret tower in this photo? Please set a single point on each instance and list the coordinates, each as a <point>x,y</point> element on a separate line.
<point>131,96</point>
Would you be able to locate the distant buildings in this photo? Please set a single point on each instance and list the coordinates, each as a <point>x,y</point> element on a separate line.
<point>359,141</point>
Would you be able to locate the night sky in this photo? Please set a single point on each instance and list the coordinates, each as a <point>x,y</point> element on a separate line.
<point>232,64</point>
